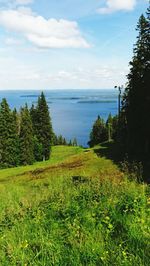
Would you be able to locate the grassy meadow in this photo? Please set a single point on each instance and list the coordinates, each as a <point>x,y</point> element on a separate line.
<point>76,209</point>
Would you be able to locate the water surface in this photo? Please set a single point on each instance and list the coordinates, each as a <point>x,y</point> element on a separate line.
<point>72,111</point>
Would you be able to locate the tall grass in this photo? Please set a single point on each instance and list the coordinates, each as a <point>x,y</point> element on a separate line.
<point>58,217</point>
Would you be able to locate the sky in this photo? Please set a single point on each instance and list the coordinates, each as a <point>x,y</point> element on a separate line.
<point>67,44</point>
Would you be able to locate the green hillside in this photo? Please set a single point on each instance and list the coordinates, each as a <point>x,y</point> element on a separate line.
<point>76,209</point>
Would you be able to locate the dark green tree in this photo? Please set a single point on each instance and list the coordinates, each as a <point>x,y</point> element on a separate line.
<point>74,142</point>
<point>42,126</point>
<point>64,142</point>
<point>26,138</point>
<point>115,127</point>
<point>109,127</point>
<point>16,146</point>
<point>9,153</point>
<point>136,100</point>
<point>38,148</point>
<point>112,127</point>
<point>34,118</point>
<point>70,143</point>
<point>98,133</point>
<point>60,140</point>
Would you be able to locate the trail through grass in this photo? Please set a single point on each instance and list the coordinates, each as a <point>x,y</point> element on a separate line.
<point>76,209</point>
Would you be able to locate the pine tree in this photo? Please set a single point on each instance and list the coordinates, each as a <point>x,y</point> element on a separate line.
<point>9,153</point>
<point>115,127</point>
<point>38,148</point>
<point>54,141</point>
<point>70,143</point>
<point>16,147</point>
<point>98,133</point>
<point>42,126</point>
<point>26,138</point>
<point>33,114</point>
<point>109,126</point>
<point>60,140</point>
<point>136,101</point>
<point>64,142</point>
<point>74,142</point>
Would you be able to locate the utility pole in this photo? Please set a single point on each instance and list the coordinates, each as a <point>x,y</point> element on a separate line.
<point>119,99</point>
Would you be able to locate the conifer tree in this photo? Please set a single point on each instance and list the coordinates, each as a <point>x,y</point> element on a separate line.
<point>98,133</point>
<point>70,143</point>
<point>64,142</point>
<point>26,138</point>
<point>33,114</point>
<point>136,101</point>
<point>16,147</point>
<point>54,140</point>
<point>9,154</point>
<point>112,127</point>
<point>115,127</point>
<point>60,140</point>
<point>43,127</point>
<point>74,142</point>
<point>38,149</point>
<point>109,126</point>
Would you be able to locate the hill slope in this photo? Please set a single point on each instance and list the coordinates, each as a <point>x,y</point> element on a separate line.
<point>76,209</point>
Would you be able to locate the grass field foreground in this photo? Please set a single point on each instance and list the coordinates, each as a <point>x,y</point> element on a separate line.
<point>76,209</point>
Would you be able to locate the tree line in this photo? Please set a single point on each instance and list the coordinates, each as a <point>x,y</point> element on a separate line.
<point>27,136</point>
<point>135,113</point>
<point>60,140</point>
<point>104,131</point>
<point>132,126</point>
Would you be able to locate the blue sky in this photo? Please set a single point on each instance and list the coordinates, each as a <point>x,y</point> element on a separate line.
<point>66,44</point>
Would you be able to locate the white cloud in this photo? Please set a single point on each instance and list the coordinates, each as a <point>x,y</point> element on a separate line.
<point>15,3</point>
<point>117,5</point>
<point>23,2</point>
<point>27,75</point>
<point>12,41</point>
<point>43,33</point>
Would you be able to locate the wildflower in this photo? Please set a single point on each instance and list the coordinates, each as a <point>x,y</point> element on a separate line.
<point>24,244</point>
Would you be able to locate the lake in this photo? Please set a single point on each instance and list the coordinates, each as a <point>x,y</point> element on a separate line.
<point>72,111</point>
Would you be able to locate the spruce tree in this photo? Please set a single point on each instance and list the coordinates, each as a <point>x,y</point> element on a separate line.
<point>74,142</point>
<point>70,143</point>
<point>98,133</point>
<point>43,127</point>
<point>33,114</point>
<point>9,152</point>
<point>16,147</point>
<point>38,149</point>
<point>60,140</point>
<point>64,142</point>
<point>136,100</point>
<point>109,126</point>
<point>26,138</point>
<point>115,122</point>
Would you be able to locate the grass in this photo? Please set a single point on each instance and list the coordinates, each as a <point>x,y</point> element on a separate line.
<point>59,153</point>
<point>76,209</point>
